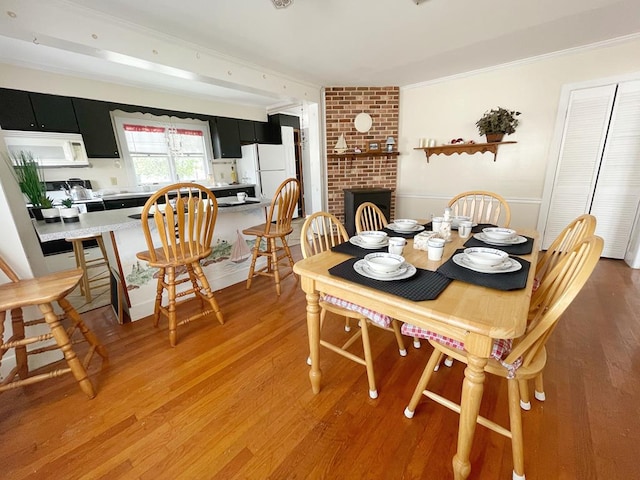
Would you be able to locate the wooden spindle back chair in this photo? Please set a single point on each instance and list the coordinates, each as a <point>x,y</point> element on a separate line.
<point>482,207</point>
<point>277,227</point>
<point>527,356</point>
<point>320,232</point>
<point>369,217</point>
<point>184,216</point>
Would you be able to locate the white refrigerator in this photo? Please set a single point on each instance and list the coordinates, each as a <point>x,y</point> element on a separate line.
<point>268,165</point>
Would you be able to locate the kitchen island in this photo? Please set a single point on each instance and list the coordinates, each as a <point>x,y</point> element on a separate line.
<point>122,233</point>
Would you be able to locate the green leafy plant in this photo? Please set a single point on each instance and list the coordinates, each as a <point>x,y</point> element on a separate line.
<point>46,202</point>
<point>498,120</point>
<point>67,203</point>
<point>29,175</point>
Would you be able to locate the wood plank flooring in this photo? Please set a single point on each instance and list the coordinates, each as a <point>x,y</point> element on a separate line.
<point>234,401</point>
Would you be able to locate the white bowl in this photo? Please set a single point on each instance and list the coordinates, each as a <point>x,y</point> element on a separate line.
<point>405,223</point>
<point>455,221</point>
<point>485,256</point>
<point>371,237</point>
<point>382,262</point>
<point>499,233</point>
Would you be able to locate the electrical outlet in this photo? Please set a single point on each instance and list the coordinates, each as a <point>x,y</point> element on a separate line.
<point>114,180</point>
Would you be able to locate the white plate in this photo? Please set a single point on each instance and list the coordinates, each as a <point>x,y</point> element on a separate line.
<point>514,241</point>
<point>415,228</point>
<point>363,122</point>
<point>357,241</point>
<point>509,265</point>
<point>406,271</point>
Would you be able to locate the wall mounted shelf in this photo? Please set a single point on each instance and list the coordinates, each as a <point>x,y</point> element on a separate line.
<point>363,154</point>
<point>469,148</point>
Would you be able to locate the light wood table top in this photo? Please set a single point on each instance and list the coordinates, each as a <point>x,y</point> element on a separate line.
<point>473,314</point>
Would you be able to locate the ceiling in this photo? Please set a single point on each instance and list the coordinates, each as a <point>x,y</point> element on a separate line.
<point>316,42</point>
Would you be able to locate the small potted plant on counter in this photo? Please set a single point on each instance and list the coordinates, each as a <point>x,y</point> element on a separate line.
<point>50,213</point>
<point>69,212</point>
<point>495,123</point>
<point>28,174</point>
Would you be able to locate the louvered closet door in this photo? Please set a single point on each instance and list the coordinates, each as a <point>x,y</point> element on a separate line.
<point>582,145</point>
<point>617,193</point>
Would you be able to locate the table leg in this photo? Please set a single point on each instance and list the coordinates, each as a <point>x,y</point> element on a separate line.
<point>472,389</point>
<point>313,327</point>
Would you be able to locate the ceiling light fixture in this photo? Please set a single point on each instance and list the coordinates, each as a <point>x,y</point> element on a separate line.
<point>281,3</point>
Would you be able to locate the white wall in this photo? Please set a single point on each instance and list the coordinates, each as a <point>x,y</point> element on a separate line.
<point>448,110</point>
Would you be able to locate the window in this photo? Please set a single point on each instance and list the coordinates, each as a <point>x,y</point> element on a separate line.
<point>161,152</point>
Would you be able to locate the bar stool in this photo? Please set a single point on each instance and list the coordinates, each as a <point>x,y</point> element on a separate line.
<point>41,292</point>
<point>88,282</point>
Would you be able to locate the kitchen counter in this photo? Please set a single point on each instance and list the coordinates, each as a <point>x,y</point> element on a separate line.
<point>227,264</point>
<point>93,223</point>
<point>129,194</point>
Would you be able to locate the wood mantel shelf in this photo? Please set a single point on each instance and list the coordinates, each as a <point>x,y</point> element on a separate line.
<point>363,154</point>
<point>469,148</point>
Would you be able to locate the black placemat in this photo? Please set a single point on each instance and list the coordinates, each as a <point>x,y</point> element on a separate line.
<point>424,285</point>
<point>354,250</point>
<point>519,249</point>
<point>499,281</point>
<point>393,233</point>
<point>138,216</point>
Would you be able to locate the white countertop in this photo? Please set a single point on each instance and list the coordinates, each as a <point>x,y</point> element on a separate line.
<point>93,223</point>
<point>138,193</point>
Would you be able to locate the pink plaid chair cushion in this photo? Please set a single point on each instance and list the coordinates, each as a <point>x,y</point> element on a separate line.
<point>375,317</point>
<point>501,347</point>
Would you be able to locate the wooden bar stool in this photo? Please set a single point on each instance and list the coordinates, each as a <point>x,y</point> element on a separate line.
<point>42,292</point>
<point>98,280</point>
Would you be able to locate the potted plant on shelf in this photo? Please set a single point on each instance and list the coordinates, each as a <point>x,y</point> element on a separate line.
<point>69,212</point>
<point>495,123</point>
<point>30,178</point>
<point>50,213</point>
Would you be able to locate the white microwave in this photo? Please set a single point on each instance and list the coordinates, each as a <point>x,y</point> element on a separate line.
<point>48,149</point>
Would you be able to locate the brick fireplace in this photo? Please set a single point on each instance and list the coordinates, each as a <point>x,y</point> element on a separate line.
<point>342,104</point>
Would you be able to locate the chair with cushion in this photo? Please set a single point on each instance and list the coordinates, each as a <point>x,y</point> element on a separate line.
<point>524,358</point>
<point>482,207</point>
<point>369,217</point>
<point>320,232</point>
<point>277,227</point>
<point>178,236</point>
<point>42,292</point>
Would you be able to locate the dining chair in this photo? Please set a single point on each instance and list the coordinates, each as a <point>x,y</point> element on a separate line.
<point>277,227</point>
<point>42,292</point>
<point>521,359</point>
<point>319,233</point>
<point>575,232</point>
<point>178,236</point>
<point>369,217</point>
<point>482,207</point>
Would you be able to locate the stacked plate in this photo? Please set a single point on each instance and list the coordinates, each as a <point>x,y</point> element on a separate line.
<point>499,236</point>
<point>405,225</point>
<point>486,260</point>
<point>370,240</point>
<point>384,266</point>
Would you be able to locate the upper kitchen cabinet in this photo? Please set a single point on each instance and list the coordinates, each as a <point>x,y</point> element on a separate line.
<point>259,132</point>
<point>283,120</point>
<point>225,137</point>
<point>94,122</point>
<point>21,110</point>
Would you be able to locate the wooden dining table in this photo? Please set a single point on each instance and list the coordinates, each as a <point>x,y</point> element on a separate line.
<point>470,313</point>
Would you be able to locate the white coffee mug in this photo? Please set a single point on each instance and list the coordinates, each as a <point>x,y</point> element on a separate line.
<point>436,223</point>
<point>241,196</point>
<point>396,245</point>
<point>435,248</point>
<point>464,228</point>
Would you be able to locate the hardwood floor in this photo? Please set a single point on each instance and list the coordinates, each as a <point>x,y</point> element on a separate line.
<point>234,401</point>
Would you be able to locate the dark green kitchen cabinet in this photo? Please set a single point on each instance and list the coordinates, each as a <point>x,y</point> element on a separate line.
<point>258,132</point>
<point>21,110</point>
<point>225,137</point>
<point>94,123</point>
